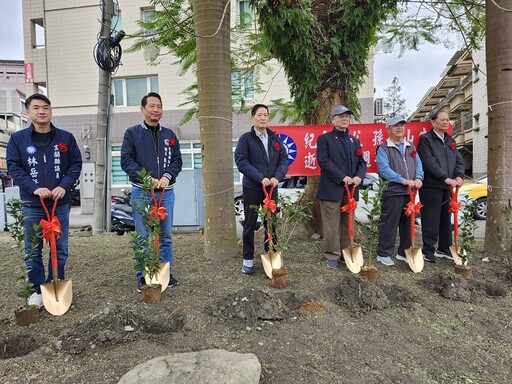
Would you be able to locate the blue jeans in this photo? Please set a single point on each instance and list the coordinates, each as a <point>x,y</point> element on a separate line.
<point>165,225</point>
<point>34,262</point>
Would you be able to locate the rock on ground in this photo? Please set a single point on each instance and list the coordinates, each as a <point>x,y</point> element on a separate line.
<point>211,366</point>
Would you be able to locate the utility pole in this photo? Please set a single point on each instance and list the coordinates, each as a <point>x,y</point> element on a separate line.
<point>100,195</point>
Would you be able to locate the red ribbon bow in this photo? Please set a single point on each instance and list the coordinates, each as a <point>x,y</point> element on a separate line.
<point>412,208</point>
<point>350,207</point>
<point>51,230</point>
<point>454,206</point>
<point>269,205</point>
<point>158,213</point>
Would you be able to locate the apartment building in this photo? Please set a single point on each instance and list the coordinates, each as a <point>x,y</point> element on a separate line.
<point>462,92</point>
<point>59,40</point>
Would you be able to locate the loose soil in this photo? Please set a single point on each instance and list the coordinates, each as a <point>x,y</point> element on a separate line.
<point>326,326</point>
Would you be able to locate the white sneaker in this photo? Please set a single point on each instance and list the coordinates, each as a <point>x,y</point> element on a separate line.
<point>36,299</point>
<point>386,260</point>
<point>400,257</point>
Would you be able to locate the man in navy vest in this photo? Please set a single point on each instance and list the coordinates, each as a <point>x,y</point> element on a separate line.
<point>399,164</point>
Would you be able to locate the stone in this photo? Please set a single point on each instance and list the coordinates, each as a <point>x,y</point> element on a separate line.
<point>211,366</point>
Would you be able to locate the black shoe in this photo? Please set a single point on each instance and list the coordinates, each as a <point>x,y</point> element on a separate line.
<point>140,283</point>
<point>173,282</point>
<point>443,255</point>
<point>247,270</point>
<point>429,259</point>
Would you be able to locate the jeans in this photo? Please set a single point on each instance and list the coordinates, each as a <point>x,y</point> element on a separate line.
<point>34,261</point>
<point>165,225</point>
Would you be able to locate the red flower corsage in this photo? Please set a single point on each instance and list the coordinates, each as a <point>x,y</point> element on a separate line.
<point>276,146</point>
<point>453,145</point>
<point>62,147</point>
<point>413,153</point>
<point>359,151</point>
<point>172,142</point>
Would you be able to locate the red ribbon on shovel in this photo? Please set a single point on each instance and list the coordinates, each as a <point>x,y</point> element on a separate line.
<point>157,212</point>
<point>454,208</point>
<point>269,206</point>
<point>51,229</point>
<point>350,207</point>
<point>412,209</point>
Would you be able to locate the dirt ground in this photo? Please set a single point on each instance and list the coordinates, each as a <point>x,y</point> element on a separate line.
<point>326,326</point>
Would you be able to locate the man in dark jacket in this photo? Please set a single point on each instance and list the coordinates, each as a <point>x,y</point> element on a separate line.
<point>45,162</point>
<point>341,161</point>
<point>444,169</point>
<point>399,164</point>
<point>262,158</point>
<point>156,149</point>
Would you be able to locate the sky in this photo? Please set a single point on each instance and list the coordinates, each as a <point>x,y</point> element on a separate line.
<point>416,71</point>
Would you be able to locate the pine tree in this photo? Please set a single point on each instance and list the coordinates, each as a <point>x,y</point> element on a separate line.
<point>394,104</point>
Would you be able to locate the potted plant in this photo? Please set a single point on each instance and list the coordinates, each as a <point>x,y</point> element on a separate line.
<point>370,228</point>
<point>467,239</point>
<point>147,249</point>
<point>286,217</point>
<point>28,314</point>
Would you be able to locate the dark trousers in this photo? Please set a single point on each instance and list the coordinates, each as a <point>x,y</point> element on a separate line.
<point>436,226</point>
<point>254,197</point>
<point>392,218</point>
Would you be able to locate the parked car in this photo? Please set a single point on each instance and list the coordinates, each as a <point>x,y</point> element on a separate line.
<point>476,190</point>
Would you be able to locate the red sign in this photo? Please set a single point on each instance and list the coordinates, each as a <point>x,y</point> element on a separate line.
<point>300,142</point>
<point>29,73</point>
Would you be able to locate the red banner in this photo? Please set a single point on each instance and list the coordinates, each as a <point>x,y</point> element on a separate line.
<point>300,141</point>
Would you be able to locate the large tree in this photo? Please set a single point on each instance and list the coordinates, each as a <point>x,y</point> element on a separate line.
<point>499,94</point>
<point>394,104</point>
<point>212,19</point>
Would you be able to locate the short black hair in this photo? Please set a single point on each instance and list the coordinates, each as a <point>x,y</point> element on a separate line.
<point>256,107</point>
<point>144,100</point>
<point>37,96</point>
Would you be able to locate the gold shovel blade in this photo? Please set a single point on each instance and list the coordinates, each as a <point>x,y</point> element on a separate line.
<point>162,276</point>
<point>276,260</point>
<point>455,250</point>
<point>267,264</point>
<point>57,300</point>
<point>353,257</point>
<point>415,259</point>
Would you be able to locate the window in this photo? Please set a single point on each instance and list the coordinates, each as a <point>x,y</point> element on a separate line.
<point>242,85</point>
<point>129,92</point>
<point>119,178</point>
<point>147,17</point>
<point>37,33</point>
<point>246,14</point>
<point>117,23</point>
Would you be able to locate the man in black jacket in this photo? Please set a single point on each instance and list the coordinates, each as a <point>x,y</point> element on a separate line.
<point>340,157</point>
<point>444,169</point>
<point>262,158</point>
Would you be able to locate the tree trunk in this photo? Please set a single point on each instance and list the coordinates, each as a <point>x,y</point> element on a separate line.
<point>499,92</point>
<point>212,24</point>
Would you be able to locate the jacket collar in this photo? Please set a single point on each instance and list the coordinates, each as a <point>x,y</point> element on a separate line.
<point>391,143</point>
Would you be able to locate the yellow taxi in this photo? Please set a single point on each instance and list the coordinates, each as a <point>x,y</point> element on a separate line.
<point>476,190</point>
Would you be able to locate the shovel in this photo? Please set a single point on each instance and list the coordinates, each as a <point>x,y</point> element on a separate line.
<point>353,255</point>
<point>414,255</point>
<point>454,208</point>
<point>163,275</point>
<point>58,294</point>
<point>270,260</point>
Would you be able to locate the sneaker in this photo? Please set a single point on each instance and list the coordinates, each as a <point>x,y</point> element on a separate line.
<point>386,260</point>
<point>247,270</point>
<point>173,282</point>
<point>401,258</point>
<point>140,283</point>
<point>36,299</point>
<point>443,255</point>
<point>429,259</point>
<point>333,264</point>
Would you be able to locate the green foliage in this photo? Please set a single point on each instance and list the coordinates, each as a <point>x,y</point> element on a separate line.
<point>146,249</point>
<point>467,231</point>
<point>373,210</point>
<point>286,220</point>
<point>17,232</point>
<point>394,105</point>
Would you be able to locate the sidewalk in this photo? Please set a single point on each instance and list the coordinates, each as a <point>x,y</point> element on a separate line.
<point>77,220</point>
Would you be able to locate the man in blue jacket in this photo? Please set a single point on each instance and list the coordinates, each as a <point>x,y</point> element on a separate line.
<point>262,158</point>
<point>156,149</point>
<point>341,162</point>
<point>45,162</point>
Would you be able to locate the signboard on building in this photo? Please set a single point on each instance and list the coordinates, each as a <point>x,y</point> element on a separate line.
<point>300,141</point>
<point>29,73</point>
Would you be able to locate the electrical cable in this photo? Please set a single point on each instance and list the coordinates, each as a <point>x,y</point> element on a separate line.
<point>108,52</point>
